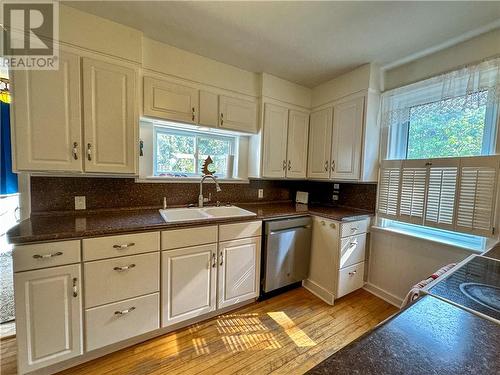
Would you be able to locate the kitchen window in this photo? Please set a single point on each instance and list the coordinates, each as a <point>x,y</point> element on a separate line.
<point>181,153</point>
<point>440,141</point>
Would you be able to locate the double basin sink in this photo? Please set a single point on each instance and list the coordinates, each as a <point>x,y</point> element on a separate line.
<point>176,215</point>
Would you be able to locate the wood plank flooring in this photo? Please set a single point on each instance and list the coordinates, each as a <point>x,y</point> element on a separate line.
<point>287,334</point>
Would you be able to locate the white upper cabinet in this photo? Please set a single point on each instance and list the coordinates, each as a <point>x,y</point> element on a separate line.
<point>298,132</point>
<point>170,101</point>
<point>237,114</point>
<point>275,140</point>
<point>110,121</point>
<point>320,141</point>
<point>346,139</point>
<point>209,109</point>
<point>47,117</point>
<point>238,277</point>
<point>48,315</point>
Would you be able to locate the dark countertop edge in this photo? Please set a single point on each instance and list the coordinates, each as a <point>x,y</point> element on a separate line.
<point>75,235</point>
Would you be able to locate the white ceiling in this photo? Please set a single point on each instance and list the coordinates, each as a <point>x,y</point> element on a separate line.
<point>304,42</point>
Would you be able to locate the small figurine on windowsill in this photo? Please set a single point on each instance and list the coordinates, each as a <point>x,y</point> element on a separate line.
<point>208,167</point>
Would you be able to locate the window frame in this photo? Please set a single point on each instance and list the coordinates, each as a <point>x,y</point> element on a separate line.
<point>193,133</point>
<point>398,135</point>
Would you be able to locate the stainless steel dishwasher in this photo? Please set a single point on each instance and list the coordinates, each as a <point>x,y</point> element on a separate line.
<point>287,247</point>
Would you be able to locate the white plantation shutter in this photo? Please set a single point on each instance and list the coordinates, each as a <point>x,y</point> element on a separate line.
<point>388,192</point>
<point>441,193</point>
<point>413,189</point>
<point>477,195</point>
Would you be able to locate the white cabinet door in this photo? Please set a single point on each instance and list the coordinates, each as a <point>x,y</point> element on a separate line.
<point>47,117</point>
<point>275,141</point>
<point>188,283</point>
<point>324,256</point>
<point>49,316</point>
<point>298,134</point>
<point>237,114</point>
<point>346,139</point>
<point>110,117</point>
<point>238,278</point>
<point>170,101</point>
<point>320,141</point>
<point>209,109</point>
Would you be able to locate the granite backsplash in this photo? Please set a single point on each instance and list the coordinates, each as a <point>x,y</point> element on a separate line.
<point>49,194</point>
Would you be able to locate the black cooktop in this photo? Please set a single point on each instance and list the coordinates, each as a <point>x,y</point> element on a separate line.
<point>475,285</point>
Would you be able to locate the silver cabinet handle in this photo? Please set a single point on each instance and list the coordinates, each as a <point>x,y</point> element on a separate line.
<point>352,273</point>
<point>289,165</point>
<point>326,166</point>
<point>75,151</point>
<point>354,229</point>
<point>124,245</point>
<point>75,287</point>
<point>89,151</point>
<point>333,165</point>
<point>124,268</point>
<point>353,243</point>
<point>284,165</point>
<point>221,119</point>
<point>124,312</point>
<point>214,260</point>
<point>45,256</point>
<point>192,111</point>
<point>221,258</point>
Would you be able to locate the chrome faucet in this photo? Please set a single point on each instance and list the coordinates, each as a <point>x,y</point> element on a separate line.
<point>203,178</point>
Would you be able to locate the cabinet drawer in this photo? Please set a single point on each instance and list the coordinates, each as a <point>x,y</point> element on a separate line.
<point>31,257</point>
<point>235,231</point>
<point>352,250</point>
<point>354,227</point>
<point>350,279</point>
<point>119,321</point>
<point>116,246</point>
<point>174,239</point>
<point>120,278</point>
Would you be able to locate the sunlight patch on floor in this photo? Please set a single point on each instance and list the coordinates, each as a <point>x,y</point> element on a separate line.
<point>200,346</point>
<point>237,324</point>
<point>298,336</point>
<point>253,341</point>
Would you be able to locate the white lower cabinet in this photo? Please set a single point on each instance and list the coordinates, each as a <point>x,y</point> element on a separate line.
<point>48,315</point>
<point>119,321</point>
<point>238,275</point>
<point>188,283</point>
<point>337,258</point>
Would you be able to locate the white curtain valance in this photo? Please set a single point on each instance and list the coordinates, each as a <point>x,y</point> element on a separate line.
<point>476,85</point>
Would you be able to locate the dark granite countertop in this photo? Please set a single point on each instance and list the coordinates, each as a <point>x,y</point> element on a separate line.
<point>98,223</point>
<point>429,337</point>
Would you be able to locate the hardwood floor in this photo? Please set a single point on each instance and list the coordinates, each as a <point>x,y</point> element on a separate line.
<point>287,334</point>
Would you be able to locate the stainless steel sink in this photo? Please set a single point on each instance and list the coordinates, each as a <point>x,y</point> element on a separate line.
<point>177,215</point>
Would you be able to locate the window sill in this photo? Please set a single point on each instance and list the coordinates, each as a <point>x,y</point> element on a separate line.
<point>189,180</point>
<point>441,241</point>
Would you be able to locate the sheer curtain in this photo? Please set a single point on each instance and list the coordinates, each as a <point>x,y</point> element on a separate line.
<point>471,87</point>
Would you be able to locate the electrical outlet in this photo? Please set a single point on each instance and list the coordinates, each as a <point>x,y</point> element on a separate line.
<point>335,197</point>
<point>336,186</point>
<point>80,203</point>
<point>261,193</point>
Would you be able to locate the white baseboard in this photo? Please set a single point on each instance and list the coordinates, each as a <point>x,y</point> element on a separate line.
<point>383,294</point>
<point>319,291</point>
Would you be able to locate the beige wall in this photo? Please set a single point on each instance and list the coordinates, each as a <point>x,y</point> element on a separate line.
<point>285,91</point>
<point>473,50</point>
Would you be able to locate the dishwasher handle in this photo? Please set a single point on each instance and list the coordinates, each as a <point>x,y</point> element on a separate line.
<point>289,229</point>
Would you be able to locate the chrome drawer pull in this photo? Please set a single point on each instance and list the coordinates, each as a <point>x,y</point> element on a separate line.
<point>125,312</point>
<point>124,245</point>
<point>45,256</point>
<point>353,243</point>
<point>221,258</point>
<point>352,273</point>
<point>214,261</point>
<point>354,229</point>
<point>124,268</point>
